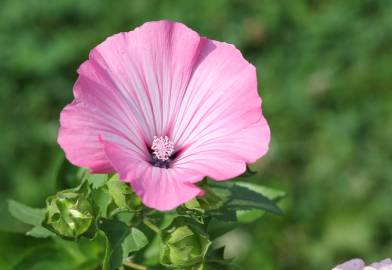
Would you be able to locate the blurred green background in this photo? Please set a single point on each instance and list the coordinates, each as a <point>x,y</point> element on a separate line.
<point>325,75</point>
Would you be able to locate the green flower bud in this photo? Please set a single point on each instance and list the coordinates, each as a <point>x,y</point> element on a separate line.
<point>69,214</point>
<point>184,244</point>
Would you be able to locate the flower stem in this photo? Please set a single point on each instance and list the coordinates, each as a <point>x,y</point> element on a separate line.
<point>135,266</point>
<point>151,226</point>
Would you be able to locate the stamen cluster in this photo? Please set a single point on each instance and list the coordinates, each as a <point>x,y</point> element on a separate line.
<point>162,148</point>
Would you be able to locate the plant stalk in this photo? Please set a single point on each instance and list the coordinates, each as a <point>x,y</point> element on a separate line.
<point>135,266</point>
<point>151,226</point>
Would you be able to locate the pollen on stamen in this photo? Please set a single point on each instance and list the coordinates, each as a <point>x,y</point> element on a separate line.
<point>162,147</point>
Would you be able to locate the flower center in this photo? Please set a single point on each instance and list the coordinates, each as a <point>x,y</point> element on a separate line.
<point>162,148</point>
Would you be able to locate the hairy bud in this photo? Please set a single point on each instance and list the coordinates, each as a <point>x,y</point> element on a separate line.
<point>69,213</point>
<point>184,244</point>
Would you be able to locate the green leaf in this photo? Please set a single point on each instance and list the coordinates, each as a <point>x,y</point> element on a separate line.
<point>248,216</point>
<point>26,214</point>
<point>240,197</point>
<point>217,227</point>
<point>102,200</point>
<point>7,222</point>
<point>193,205</point>
<point>45,258</point>
<point>243,202</point>
<point>217,253</point>
<point>115,233</point>
<point>225,214</point>
<point>123,195</point>
<point>271,193</point>
<point>40,232</point>
<point>135,241</point>
<point>96,180</point>
<point>30,216</point>
<point>216,260</point>
<point>151,253</point>
<point>118,191</point>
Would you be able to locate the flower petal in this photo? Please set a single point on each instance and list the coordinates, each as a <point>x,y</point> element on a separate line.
<point>96,111</point>
<point>220,126</point>
<point>384,264</point>
<point>128,92</point>
<point>159,188</point>
<point>354,264</point>
<point>151,67</point>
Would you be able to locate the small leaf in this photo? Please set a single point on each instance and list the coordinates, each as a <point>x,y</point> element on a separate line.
<point>118,191</point>
<point>26,214</point>
<point>248,216</point>
<point>40,232</point>
<point>217,228</point>
<point>151,253</point>
<point>7,222</point>
<point>123,195</point>
<point>271,193</point>
<point>135,241</point>
<point>216,260</point>
<point>96,180</point>
<point>115,233</point>
<point>102,200</point>
<point>45,258</point>
<point>225,214</point>
<point>242,198</point>
<point>193,205</point>
<point>217,253</point>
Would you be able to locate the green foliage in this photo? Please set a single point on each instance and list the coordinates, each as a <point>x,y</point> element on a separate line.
<point>26,214</point>
<point>136,240</point>
<point>39,232</point>
<point>242,202</point>
<point>122,195</point>
<point>216,260</point>
<point>44,258</point>
<point>96,180</point>
<point>121,240</point>
<point>102,205</point>
<point>30,216</point>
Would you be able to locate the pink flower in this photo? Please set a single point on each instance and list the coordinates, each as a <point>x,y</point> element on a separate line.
<point>164,108</point>
<point>358,264</point>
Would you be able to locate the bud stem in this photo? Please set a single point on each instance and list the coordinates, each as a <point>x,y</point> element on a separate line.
<point>135,265</point>
<point>151,226</point>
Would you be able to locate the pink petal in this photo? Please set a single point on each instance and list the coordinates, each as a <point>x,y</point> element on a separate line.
<point>151,67</point>
<point>158,188</point>
<point>220,124</point>
<point>128,91</point>
<point>384,264</point>
<point>355,264</point>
